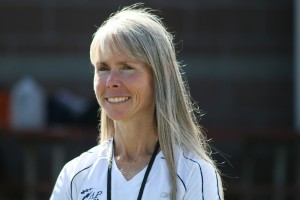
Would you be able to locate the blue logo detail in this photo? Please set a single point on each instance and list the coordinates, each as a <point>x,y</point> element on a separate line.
<point>91,194</point>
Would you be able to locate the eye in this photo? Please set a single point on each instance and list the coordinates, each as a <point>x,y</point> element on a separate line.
<point>103,68</point>
<point>127,67</point>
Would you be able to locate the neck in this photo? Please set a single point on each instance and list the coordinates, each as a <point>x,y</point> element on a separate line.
<point>134,140</point>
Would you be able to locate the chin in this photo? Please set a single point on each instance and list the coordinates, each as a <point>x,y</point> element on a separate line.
<point>117,117</point>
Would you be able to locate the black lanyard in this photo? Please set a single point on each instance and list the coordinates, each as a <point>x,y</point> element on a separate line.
<point>145,176</point>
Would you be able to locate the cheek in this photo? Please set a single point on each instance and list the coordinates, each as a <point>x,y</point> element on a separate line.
<point>98,87</point>
<point>147,89</point>
<point>96,83</point>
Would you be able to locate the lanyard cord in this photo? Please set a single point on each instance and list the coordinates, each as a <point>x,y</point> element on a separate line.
<point>145,176</point>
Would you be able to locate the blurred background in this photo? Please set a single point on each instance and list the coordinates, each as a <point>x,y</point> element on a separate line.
<point>242,64</point>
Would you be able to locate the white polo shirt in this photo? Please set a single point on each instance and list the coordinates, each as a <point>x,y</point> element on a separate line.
<point>85,178</point>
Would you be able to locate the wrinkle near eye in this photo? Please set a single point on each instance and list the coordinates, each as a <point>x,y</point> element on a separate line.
<point>103,68</point>
<point>127,67</point>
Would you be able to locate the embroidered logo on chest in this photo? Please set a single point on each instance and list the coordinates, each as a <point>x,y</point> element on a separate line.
<point>90,194</point>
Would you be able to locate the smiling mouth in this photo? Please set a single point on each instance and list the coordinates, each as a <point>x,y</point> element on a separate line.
<point>117,99</point>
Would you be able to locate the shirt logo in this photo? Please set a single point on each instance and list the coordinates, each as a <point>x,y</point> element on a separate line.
<point>165,195</point>
<point>90,194</point>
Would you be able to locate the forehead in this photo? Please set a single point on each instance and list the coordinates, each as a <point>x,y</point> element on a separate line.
<point>119,59</point>
<point>109,47</point>
<point>111,41</point>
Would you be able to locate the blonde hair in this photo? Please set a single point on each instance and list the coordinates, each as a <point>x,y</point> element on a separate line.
<point>140,34</point>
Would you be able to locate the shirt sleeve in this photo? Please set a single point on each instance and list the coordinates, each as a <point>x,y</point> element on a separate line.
<point>61,190</point>
<point>204,183</point>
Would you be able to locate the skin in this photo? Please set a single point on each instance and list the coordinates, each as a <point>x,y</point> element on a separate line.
<point>129,80</point>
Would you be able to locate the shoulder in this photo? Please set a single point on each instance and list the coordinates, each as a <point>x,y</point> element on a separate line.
<point>196,163</point>
<point>76,170</point>
<point>198,175</point>
<point>191,163</point>
<point>86,159</point>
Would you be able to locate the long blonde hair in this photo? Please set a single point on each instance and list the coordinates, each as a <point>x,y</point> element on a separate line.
<point>140,34</point>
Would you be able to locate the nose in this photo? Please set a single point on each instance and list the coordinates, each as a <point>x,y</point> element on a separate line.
<point>113,80</point>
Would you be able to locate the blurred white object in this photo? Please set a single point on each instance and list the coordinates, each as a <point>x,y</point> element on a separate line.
<point>28,105</point>
<point>76,104</point>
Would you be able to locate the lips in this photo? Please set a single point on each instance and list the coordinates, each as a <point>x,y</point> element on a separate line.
<point>117,99</point>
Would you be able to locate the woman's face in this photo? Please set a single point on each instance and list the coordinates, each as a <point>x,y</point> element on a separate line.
<point>124,88</point>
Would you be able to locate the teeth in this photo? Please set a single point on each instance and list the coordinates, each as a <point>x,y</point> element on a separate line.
<point>117,100</point>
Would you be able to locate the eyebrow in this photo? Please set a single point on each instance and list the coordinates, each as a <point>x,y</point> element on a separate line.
<point>118,63</point>
<point>100,63</point>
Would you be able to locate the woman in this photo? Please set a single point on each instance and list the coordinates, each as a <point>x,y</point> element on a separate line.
<point>151,146</point>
